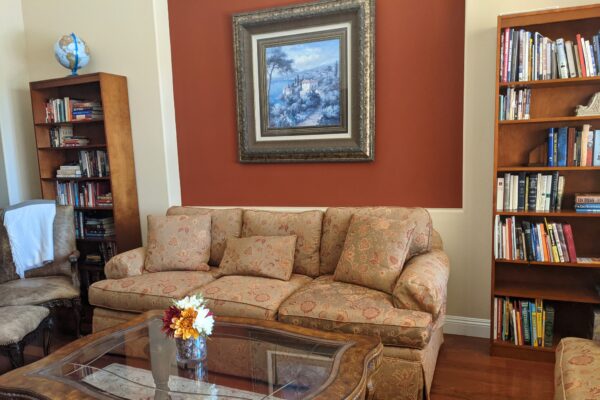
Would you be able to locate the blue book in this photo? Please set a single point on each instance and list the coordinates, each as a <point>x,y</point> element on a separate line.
<point>596,159</point>
<point>588,206</point>
<point>562,147</point>
<point>551,132</point>
<point>596,49</point>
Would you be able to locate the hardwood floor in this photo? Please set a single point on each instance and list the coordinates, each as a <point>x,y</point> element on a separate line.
<point>465,371</point>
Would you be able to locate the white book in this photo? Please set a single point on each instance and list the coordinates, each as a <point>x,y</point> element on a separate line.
<point>561,190</point>
<point>570,60</point>
<point>495,318</point>
<point>590,58</point>
<point>547,193</point>
<point>500,194</point>
<point>514,195</point>
<point>585,132</point>
<point>541,244</point>
<point>561,59</point>
<point>586,60</point>
<point>513,233</point>
<point>496,236</point>
<point>539,204</point>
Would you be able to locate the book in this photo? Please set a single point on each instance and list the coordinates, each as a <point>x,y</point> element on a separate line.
<point>596,150</point>
<point>551,150</point>
<point>548,326</point>
<point>521,192</point>
<point>500,194</point>
<point>585,132</point>
<point>581,51</point>
<point>570,147</point>
<point>561,159</point>
<point>563,70</point>
<point>570,59</point>
<point>532,195</point>
<point>582,198</point>
<point>568,233</point>
<point>590,149</point>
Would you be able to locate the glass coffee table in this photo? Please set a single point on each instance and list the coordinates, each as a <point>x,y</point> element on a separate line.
<point>247,359</point>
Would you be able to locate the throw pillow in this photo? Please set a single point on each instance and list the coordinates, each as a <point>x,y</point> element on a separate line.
<point>374,252</point>
<point>176,243</point>
<point>266,256</point>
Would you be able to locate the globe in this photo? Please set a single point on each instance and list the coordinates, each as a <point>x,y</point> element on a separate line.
<point>71,52</point>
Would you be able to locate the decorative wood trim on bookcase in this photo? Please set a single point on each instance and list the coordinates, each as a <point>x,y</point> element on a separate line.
<point>570,286</point>
<point>111,133</point>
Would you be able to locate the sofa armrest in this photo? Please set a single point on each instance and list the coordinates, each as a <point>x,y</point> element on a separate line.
<point>423,283</point>
<point>129,263</point>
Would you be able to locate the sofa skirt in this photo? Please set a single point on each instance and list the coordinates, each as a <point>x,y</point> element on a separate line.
<point>404,374</point>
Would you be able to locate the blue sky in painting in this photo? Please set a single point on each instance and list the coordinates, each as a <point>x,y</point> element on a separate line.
<point>310,55</point>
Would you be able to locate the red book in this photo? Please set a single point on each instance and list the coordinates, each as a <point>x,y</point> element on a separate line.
<point>571,147</point>
<point>506,45</point>
<point>568,232</point>
<point>580,48</point>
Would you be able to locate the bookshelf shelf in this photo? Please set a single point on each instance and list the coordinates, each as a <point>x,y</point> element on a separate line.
<point>80,122</point>
<point>548,291</point>
<point>570,288</point>
<point>545,169</point>
<point>82,179</point>
<point>64,148</point>
<point>559,214</point>
<point>112,134</point>
<point>558,120</point>
<point>554,83</point>
<point>549,264</point>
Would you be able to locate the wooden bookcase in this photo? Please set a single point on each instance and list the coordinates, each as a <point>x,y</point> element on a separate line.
<point>112,133</point>
<point>569,286</point>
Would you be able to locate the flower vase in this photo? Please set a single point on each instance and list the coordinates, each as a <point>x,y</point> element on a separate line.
<point>191,355</point>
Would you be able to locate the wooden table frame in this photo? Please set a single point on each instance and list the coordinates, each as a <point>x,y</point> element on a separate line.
<point>354,380</point>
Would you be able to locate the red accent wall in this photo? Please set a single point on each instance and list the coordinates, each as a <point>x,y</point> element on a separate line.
<point>419,108</point>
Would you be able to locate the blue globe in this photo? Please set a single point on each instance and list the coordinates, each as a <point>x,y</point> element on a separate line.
<point>71,52</point>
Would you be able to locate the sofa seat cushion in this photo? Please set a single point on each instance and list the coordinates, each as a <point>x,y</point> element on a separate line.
<point>338,306</point>
<point>17,321</point>
<point>32,291</point>
<point>577,369</point>
<point>150,291</point>
<point>250,296</point>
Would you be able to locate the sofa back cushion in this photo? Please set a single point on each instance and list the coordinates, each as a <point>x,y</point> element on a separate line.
<point>226,223</point>
<point>266,256</point>
<point>178,242</point>
<point>337,221</point>
<point>374,252</point>
<point>305,225</point>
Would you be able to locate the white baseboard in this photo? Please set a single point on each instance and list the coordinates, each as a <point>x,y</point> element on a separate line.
<point>466,326</point>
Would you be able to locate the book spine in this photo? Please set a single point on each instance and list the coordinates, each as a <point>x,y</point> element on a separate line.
<point>585,133</point>
<point>570,59</point>
<point>563,69</point>
<point>551,132</point>
<point>505,57</point>
<point>570,147</point>
<point>561,191</point>
<point>563,243</point>
<point>561,159</point>
<point>590,149</point>
<point>580,52</point>
<point>568,232</point>
<point>554,191</point>
<point>588,206</point>
<point>596,150</point>
<point>532,195</point>
<point>549,326</point>
<point>500,194</point>
<point>521,192</point>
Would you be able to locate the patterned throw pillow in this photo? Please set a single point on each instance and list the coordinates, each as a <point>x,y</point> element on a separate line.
<point>178,242</point>
<point>374,252</point>
<point>266,256</point>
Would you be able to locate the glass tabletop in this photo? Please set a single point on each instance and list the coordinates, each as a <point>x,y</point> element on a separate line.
<point>243,362</point>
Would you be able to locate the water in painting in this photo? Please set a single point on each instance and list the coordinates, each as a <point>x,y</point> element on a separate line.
<point>303,84</point>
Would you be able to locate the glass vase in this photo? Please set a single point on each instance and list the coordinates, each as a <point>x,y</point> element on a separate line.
<point>191,356</point>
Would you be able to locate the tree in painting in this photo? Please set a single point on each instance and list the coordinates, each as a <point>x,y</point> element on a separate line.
<point>303,84</point>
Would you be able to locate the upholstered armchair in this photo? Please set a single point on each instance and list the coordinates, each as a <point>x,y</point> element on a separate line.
<point>53,285</point>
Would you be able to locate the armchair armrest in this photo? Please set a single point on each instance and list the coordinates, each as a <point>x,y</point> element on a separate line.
<point>129,263</point>
<point>423,283</point>
<point>74,256</point>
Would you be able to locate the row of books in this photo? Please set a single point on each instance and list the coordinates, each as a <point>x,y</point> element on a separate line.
<point>571,147</point>
<point>587,203</point>
<point>94,163</point>
<point>67,109</point>
<point>62,136</point>
<point>83,194</point>
<point>530,192</point>
<point>526,56</point>
<point>515,104</point>
<point>106,251</point>
<point>533,241</point>
<point>524,322</point>
<point>93,227</point>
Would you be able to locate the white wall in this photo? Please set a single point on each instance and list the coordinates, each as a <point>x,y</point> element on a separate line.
<point>19,178</point>
<point>126,38</point>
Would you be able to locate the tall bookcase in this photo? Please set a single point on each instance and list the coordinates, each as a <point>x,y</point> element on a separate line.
<point>569,287</point>
<point>111,133</point>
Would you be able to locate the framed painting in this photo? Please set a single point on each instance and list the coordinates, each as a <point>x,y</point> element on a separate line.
<point>305,82</point>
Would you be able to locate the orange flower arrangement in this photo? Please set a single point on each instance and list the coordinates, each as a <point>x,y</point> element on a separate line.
<point>183,326</point>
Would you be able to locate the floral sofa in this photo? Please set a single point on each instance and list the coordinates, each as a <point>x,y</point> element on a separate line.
<point>409,321</point>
